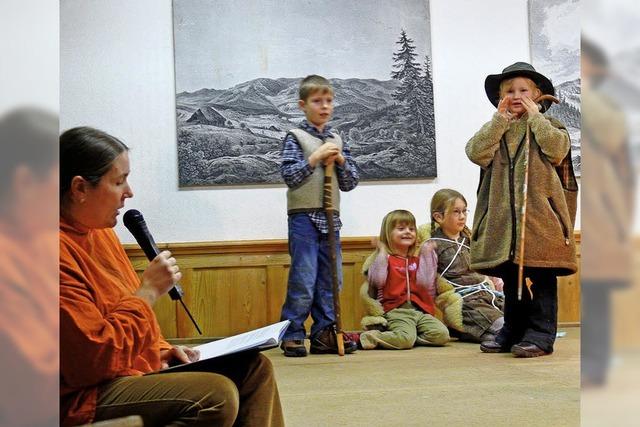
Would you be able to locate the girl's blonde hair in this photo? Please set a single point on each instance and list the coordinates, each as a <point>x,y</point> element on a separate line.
<point>505,85</point>
<point>390,221</point>
<point>443,202</point>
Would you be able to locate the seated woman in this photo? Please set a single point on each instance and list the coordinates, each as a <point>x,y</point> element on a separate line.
<point>109,336</point>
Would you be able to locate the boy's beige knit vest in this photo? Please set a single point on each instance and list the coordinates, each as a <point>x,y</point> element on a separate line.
<point>308,196</point>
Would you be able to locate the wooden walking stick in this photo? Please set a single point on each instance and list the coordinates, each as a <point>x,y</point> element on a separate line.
<point>523,221</point>
<point>523,215</point>
<point>329,209</point>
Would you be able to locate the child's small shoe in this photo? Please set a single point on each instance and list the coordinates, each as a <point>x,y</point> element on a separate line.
<point>487,336</point>
<point>294,348</point>
<point>493,346</point>
<point>527,349</point>
<point>326,342</point>
<point>352,336</point>
<point>369,339</point>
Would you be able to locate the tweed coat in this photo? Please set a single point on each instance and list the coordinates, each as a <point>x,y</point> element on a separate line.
<point>498,148</point>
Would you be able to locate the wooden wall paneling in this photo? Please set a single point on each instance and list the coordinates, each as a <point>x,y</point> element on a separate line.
<point>166,311</point>
<point>232,287</point>
<point>276,291</point>
<point>569,299</point>
<point>353,310</point>
<point>569,305</point>
<point>211,298</point>
<point>347,301</point>
<point>183,325</point>
<point>230,260</point>
<point>358,308</point>
<point>307,324</point>
<point>250,298</point>
<point>230,301</point>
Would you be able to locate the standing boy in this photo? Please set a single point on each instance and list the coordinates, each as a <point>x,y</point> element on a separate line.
<point>306,150</point>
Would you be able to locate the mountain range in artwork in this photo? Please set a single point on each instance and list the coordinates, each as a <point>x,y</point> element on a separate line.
<point>234,136</point>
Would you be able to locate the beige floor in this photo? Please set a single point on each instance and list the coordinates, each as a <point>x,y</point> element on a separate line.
<point>452,386</point>
<point>615,404</point>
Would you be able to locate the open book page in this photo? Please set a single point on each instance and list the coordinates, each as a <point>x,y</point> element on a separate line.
<point>259,339</point>
<point>269,336</point>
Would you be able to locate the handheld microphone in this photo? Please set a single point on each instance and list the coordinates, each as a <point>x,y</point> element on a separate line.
<point>135,223</point>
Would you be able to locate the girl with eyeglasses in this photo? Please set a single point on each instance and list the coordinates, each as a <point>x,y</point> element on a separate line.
<point>471,303</point>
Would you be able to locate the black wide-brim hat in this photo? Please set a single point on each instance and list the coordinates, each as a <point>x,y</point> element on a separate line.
<point>519,69</point>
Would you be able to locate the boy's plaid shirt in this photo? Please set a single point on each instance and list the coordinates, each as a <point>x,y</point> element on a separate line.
<point>294,169</point>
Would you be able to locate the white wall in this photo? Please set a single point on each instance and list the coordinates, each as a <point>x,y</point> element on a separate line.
<point>117,74</point>
<point>30,62</point>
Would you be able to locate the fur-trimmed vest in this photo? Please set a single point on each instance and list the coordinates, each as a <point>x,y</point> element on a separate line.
<point>397,280</point>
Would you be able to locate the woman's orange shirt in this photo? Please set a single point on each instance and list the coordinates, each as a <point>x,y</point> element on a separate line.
<point>105,331</point>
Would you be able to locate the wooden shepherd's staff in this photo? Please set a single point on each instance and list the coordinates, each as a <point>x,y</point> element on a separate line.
<point>327,203</point>
<point>523,221</point>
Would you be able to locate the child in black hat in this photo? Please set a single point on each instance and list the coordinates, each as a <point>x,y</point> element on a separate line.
<point>516,136</point>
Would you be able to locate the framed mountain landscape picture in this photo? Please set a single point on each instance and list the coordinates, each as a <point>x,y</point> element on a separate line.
<point>554,37</point>
<point>238,66</point>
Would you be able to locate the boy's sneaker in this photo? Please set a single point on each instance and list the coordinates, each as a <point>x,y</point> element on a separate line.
<point>294,348</point>
<point>325,342</point>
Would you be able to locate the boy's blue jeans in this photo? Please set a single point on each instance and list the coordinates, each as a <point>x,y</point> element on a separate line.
<point>309,289</point>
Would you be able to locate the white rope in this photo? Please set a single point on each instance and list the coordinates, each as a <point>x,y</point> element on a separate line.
<point>460,245</point>
<point>474,288</point>
<point>450,241</point>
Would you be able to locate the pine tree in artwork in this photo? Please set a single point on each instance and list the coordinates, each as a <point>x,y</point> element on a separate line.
<point>427,91</point>
<point>410,93</point>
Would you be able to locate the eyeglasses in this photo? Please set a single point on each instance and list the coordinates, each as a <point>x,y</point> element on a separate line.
<point>460,212</point>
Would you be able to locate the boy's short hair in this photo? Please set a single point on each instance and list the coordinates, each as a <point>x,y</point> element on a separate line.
<point>312,84</point>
